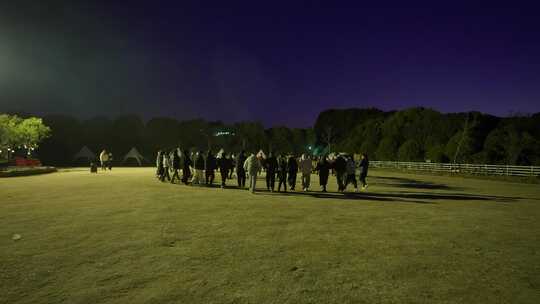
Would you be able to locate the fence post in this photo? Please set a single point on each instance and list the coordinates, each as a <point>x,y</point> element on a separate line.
<point>507,173</point>
<point>532,171</point>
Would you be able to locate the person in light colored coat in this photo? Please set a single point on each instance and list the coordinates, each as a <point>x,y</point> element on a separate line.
<point>252,166</point>
<point>198,177</point>
<point>104,158</point>
<point>306,166</point>
<point>166,166</point>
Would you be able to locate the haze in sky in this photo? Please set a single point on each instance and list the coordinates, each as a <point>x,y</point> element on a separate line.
<point>279,64</point>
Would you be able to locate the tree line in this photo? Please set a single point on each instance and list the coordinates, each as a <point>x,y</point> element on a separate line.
<point>415,134</point>
<point>421,134</point>
<point>120,134</point>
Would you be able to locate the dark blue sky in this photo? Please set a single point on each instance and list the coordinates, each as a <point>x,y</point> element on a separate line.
<point>277,63</point>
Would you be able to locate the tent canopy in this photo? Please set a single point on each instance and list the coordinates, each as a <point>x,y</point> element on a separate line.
<point>134,153</point>
<point>85,153</point>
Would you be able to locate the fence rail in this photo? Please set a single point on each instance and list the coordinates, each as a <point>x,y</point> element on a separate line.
<point>476,169</point>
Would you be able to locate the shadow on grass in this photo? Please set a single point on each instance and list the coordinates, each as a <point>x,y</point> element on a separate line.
<point>342,196</point>
<point>411,183</point>
<point>422,197</point>
<point>407,197</point>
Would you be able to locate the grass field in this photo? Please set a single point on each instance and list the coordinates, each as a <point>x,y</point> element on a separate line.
<point>124,237</point>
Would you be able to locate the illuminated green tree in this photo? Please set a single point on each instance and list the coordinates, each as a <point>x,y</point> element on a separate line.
<point>16,132</point>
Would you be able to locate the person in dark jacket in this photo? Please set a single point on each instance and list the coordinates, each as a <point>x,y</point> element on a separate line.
<point>210,166</point>
<point>340,165</point>
<point>199,169</point>
<point>240,172</point>
<point>225,165</point>
<point>271,166</point>
<point>292,171</point>
<point>110,161</point>
<point>323,167</point>
<point>364,165</point>
<point>186,170</point>
<point>282,173</point>
<point>351,173</point>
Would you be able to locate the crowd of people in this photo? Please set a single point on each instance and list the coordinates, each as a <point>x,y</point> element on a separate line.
<point>198,168</point>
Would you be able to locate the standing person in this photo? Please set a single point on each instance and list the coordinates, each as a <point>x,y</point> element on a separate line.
<point>364,165</point>
<point>240,172</point>
<point>175,159</point>
<point>306,166</point>
<point>351,173</point>
<point>271,166</point>
<point>292,170</point>
<point>209,167</point>
<point>252,166</point>
<point>225,165</point>
<point>159,164</point>
<point>233,162</point>
<point>104,158</point>
<point>109,162</point>
<point>186,167</point>
<point>198,177</point>
<point>282,173</point>
<point>166,167</point>
<point>340,166</point>
<point>323,167</point>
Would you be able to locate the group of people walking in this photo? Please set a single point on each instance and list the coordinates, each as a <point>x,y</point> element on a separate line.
<point>199,169</point>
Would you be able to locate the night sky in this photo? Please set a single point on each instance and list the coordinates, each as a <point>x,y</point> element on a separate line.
<point>257,60</point>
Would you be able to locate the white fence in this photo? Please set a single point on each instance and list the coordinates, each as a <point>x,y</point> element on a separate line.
<point>460,168</point>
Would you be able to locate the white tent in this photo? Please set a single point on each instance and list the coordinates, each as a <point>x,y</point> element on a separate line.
<point>85,153</point>
<point>133,153</point>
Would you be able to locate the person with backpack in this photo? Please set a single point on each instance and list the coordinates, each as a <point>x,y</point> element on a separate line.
<point>364,165</point>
